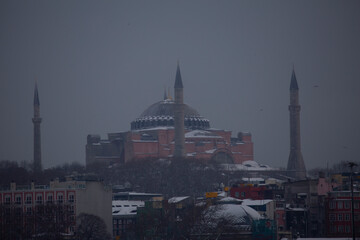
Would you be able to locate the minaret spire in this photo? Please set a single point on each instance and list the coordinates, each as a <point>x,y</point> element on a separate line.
<point>296,165</point>
<point>179,151</point>
<point>37,136</point>
<point>178,80</point>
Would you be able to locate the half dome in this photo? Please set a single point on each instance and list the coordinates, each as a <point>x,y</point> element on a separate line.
<point>161,114</point>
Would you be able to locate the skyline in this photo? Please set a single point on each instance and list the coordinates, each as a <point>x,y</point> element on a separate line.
<point>99,65</point>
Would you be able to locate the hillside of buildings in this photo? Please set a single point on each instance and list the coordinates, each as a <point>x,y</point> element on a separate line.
<point>167,199</point>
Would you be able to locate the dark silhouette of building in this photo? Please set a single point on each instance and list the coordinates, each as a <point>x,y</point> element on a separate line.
<point>179,116</point>
<point>37,136</point>
<point>296,166</point>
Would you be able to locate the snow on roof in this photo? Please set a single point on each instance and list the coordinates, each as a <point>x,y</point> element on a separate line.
<point>201,134</point>
<point>251,212</point>
<point>154,128</point>
<point>221,194</point>
<point>253,179</point>
<point>237,211</point>
<point>250,202</point>
<point>126,207</point>
<point>247,165</point>
<point>230,199</point>
<point>211,150</point>
<point>250,163</point>
<point>177,199</point>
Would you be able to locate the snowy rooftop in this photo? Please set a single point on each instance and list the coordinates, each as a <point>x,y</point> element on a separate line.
<point>177,199</point>
<point>125,207</point>
<point>247,165</point>
<point>250,202</point>
<point>237,211</point>
<point>229,199</point>
<point>253,179</point>
<point>201,134</point>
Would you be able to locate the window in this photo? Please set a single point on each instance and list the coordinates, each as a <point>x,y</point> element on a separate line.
<point>39,199</point>
<point>71,198</point>
<point>347,229</point>
<point>18,200</point>
<point>237,194</point>
<point>60,198</point>
<point>332,204</point>
<point>341,228</point>
<point>28,210</point>
<point>332,217</point>
<point>347,217</point>
<point>340,204</point>
<point>72,209</point>
<point>28,199</point>
<point>340,217</point>
<point>50,199</point>
<point>356,205</point>
<point>242,194</point>
<point>333,229</point>
<point>7,200</point>
<point>347,205</point>
<point>18,211</point>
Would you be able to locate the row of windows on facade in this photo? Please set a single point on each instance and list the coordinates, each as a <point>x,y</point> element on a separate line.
<point>121,225</point>
<point>30,210</point>
<point>188,123</point>
<point>342,217</point>
<point>31,227</point>
<point>343,204</point>
<point>342,229</point>
<point>39,199</point>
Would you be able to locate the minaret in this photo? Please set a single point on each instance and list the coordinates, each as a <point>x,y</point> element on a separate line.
<point>179,151</point>
<point>296,166</point>
<point>37,137</point>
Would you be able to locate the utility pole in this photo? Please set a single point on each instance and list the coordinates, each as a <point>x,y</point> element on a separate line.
<point>351,165</point>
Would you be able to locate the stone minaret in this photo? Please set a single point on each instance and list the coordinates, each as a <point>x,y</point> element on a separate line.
<point>179,116</point>
<point>37,137</point>
<point>296,166</point>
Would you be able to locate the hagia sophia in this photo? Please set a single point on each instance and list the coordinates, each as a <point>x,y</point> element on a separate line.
<point>169,129</point>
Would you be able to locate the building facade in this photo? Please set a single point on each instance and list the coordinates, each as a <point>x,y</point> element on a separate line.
<point>64,199</point>
<point>338,215</point>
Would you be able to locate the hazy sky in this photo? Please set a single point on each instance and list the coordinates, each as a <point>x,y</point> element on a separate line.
<point>99,64</point>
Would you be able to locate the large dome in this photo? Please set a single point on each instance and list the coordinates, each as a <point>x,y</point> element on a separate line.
<point>161,114</point>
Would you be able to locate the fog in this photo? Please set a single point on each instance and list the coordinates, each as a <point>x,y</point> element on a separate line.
<point>99,64</point>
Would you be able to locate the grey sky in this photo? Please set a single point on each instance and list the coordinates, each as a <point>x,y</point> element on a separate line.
<point>99,64</point>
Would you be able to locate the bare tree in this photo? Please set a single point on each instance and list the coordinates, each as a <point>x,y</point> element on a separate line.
<point>91,227</point>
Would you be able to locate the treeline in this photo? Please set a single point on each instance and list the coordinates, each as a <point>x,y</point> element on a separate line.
<point>340,167</point>
<point>49,221</point>
<point>170,177</point>
<point>22,174</point>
